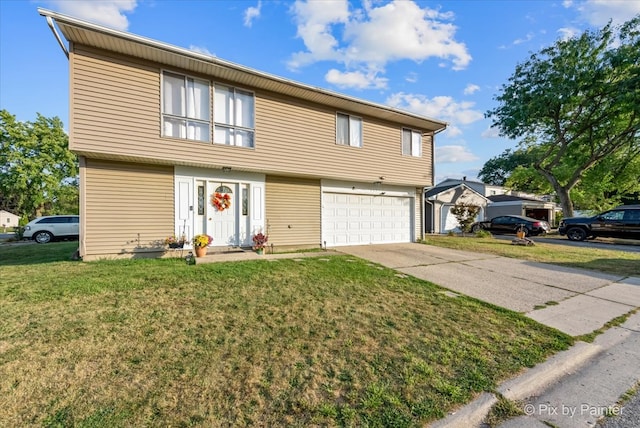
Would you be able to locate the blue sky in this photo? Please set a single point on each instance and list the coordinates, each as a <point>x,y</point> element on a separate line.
<point>443,59</point>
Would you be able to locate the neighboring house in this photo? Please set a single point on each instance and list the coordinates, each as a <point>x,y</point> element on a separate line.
<point>160,131</point>
<point>480,187</point>
<point>536,208</point>
<point>8,220</point>
<point>441,199</point>
<point>498,201</point>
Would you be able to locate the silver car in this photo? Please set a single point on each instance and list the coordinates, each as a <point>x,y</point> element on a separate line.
<point>48,228</point>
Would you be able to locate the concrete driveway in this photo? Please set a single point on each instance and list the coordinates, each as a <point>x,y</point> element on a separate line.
<point>574,301</point>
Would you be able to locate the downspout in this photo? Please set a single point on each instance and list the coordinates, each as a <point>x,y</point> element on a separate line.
<point>430,209</point>
<point>433,176</point>
<point>424,224</point>
<point>433,153</point>
<point>57,36</point>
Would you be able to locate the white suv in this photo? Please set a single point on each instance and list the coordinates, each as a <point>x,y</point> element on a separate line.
<point>48,228</point>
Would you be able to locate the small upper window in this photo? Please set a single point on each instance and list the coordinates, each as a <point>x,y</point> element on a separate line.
<point>411,142</point>
<point>185,107</point>
<point>348,130</point>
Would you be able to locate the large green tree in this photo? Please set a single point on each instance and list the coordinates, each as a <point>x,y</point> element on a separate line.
<point>575,104</point>
<point>610,182</point>
<point>38,173</point>
<point>497,170</point>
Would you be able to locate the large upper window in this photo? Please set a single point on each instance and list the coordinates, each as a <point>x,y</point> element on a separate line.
<point>348,130</point>
<point>185,107</point>
<point>234,117</point>
<point>411,142</point>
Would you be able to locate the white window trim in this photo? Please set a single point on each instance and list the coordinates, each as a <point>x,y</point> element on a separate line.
<point>413,151</point>
<point>225,125</point>
<point>186,118</point>
<point>350,117</point>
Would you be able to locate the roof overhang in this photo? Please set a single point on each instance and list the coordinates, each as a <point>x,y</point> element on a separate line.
<point>463,186</point>
<point>97,36</point>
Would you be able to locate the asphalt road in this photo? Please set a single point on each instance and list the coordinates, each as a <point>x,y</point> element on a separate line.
<point>629,415</point>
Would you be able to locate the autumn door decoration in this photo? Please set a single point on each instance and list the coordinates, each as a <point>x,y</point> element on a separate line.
<point>221,201</point>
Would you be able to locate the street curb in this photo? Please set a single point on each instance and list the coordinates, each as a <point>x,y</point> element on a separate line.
<point>470,415</point>
<point>532,382</point>
<point>536,379</point>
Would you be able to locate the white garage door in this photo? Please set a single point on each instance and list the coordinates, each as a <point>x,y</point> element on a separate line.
<point>450,222</point>
<point>365,219</point>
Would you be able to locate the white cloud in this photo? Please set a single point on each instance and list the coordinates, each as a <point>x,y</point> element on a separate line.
<point>411,77</point>
<point>490,132</point>
<point>443,107</point>
<point>526,39</point>
<point>599,12</point>
<point>568,32</point>
<point>110,13</point>
<point>355,79</point>
<point>454,154</point>
<point>471,89</point>
<point>453,131</point>
<point>374,35</point>
<point>252,13</point>
<point>201,50</point>
<point>402,30</point>
<point>315,20</point>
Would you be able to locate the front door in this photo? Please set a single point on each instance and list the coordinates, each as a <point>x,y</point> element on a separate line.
<point>222,219</point>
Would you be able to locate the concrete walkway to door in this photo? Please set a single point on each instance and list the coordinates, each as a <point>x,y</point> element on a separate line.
<point>586,300</point>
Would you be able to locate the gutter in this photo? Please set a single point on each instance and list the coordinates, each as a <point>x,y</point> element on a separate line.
<point>433,153</point>
<point>56,35</point>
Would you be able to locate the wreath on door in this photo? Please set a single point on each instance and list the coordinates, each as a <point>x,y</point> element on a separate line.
<point>221,201</point>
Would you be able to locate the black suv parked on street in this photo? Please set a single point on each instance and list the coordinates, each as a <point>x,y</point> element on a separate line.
<point>620,222</point>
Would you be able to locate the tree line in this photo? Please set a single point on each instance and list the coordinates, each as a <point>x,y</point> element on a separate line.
<point>38,173</point>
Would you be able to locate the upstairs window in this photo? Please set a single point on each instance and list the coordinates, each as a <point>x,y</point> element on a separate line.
<point>348,130</point>
<point>411,143</point>
<point>185,107</point>
<point>234,114</point>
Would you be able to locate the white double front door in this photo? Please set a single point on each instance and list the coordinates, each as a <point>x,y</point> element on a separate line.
<point>202,207</point>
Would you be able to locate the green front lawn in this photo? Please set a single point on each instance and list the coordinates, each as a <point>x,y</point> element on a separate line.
<point>624,263</point>
<point>327,340</point>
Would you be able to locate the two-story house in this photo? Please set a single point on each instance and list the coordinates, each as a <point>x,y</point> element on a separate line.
<point>171,141</point>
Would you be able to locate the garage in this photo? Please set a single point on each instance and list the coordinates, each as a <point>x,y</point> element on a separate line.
<point>450,222</point>
<point>355,219</point>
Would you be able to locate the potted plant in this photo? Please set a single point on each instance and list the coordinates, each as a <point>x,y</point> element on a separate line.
<point>200,243</point>
<point>259,242</point>
<point>174,242</point>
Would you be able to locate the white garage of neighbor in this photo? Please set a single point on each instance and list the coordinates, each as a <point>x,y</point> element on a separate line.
<point>367,214</point>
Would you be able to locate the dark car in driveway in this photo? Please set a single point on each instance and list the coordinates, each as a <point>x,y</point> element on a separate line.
<point>512,224</point>
<point>620,222</point>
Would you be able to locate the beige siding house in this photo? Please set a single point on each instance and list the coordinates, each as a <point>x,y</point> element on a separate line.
<point>162,131</point>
